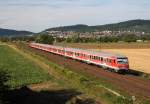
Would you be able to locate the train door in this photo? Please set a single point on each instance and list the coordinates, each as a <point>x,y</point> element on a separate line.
<point>114,63</point>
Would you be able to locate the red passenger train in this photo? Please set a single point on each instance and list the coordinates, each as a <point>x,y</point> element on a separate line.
<point>118,63</point>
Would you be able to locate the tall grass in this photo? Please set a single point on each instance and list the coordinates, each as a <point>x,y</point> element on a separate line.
<point>21,70</point>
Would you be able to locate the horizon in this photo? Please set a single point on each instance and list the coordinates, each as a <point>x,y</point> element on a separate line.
<point>37,15</point>
<point>72,25</point>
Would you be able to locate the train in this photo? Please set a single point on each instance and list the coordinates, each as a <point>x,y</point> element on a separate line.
<point>115,62</point>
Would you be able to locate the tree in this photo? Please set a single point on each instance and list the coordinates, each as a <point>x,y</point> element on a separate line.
<point>68,40</point>
<point>45,39</point>
<point>76,38</point>
<point>4,39</point>
<point>145,37</point>
<point>129,38</point>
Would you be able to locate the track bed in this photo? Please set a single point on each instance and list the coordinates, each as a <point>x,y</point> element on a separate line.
<point>133,85</point>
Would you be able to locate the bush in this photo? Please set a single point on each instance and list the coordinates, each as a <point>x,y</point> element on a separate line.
<point>45,39</point>
<point>129,38</point>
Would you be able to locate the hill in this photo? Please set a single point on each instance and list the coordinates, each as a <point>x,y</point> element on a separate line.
<point>8,32</point>
<point>132,25</point>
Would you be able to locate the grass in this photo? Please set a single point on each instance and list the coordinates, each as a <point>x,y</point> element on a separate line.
<point>21,70</point>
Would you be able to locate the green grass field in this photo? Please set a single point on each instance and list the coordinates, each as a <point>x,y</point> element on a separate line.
<point>21,70</point>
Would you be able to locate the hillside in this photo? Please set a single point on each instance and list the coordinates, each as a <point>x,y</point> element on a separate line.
<point>132,25</point>
<point>8,32</point>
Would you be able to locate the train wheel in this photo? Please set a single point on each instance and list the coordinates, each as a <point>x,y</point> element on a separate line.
<point>116,71</point>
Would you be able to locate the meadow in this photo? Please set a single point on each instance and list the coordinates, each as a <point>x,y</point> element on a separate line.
<point>21,71</point>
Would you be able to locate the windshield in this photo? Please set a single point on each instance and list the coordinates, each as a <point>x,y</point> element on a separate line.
<point>122,60</point>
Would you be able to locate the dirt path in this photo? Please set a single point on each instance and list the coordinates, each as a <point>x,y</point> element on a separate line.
<point>133,85</point>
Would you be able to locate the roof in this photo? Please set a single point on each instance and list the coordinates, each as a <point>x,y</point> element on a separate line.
<point>95,53</point>
<point>90,52</point>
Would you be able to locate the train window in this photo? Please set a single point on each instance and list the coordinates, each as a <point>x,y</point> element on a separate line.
<point>96,58</point>
<point>109,60</point>
<point>83,55</point>
<point>90,57</point>
<point>99,59</point>
<point>114,61</point>
<point>93,57</point>
<point>102,59</point>
<point>77,54</point>
<point>122,60</point>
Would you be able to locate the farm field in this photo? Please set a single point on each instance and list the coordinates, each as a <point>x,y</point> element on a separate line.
<point>139,59</point>
<point>121,45</point>
<point>21,70</point>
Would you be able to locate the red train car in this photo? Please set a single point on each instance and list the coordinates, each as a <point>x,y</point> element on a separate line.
<point>118,63</point>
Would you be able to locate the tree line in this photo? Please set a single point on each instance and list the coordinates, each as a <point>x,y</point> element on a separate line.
<point>47,39</point>
<point>106,39</point>
<point>39,38</point>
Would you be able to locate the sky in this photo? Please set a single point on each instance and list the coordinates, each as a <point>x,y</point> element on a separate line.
<point>38,15</point>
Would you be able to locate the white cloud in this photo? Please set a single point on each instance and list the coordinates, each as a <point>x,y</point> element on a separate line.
<point>36,15</point>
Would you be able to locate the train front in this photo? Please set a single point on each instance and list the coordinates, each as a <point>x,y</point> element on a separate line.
<point>122,64</point>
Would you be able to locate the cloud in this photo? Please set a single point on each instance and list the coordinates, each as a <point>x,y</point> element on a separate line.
<point>53,3</point>
<point>36,15</point>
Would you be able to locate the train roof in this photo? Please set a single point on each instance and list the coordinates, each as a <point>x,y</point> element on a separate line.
<point>96,53</point>
<point>90,52</point>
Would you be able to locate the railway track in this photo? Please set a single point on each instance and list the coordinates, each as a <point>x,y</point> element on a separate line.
<point>133,85</point>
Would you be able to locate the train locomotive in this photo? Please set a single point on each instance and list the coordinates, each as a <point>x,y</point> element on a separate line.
<point>118,63</point>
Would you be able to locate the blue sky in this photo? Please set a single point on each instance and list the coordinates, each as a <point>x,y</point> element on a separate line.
<point>37,15</point>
